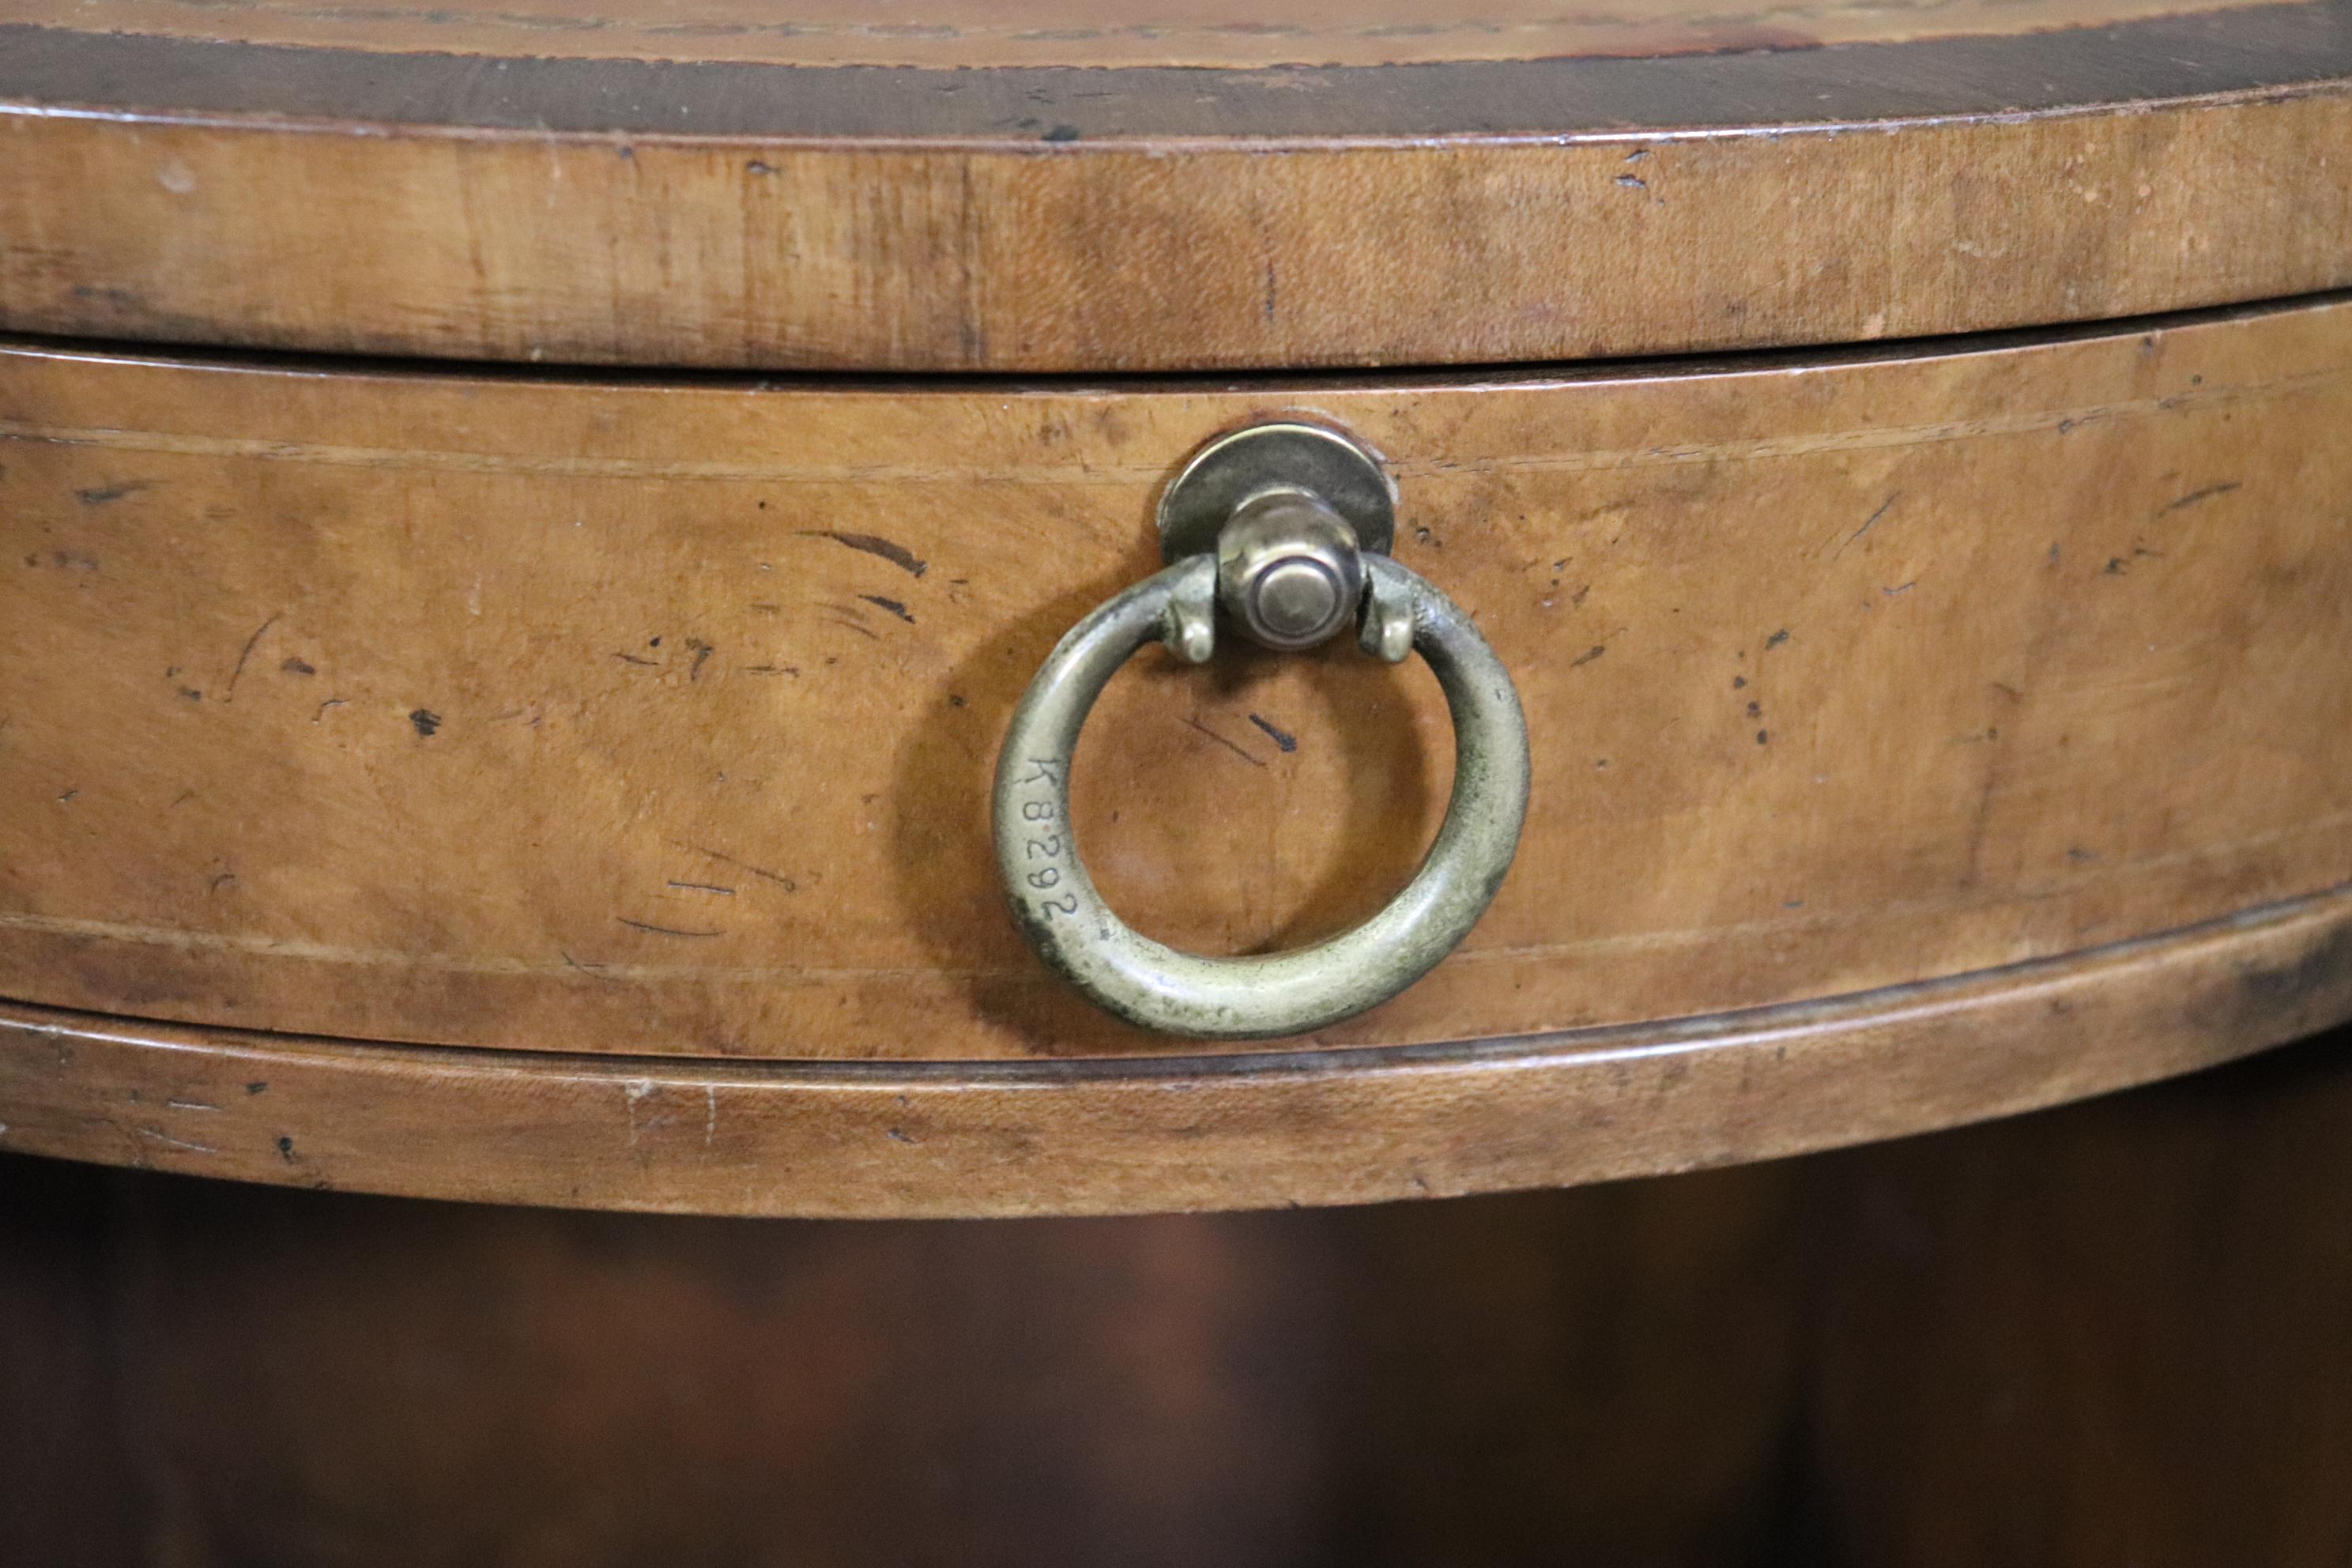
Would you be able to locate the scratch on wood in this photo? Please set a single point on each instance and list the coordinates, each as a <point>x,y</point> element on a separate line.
<point>710,1113</point>
<point>229,693</point>
<point>160,1136</point>
<point>778,877</point>
<point>664,930</point>
<point>188,1105</point>
<point>1589,654</point>
<point>897,554</point>
<point>892,606</point>
<point>712,887</point>
<point>1872,520</point>
<point>2193,497</point>
<point>1229,745</point>
<point>1282,739</point>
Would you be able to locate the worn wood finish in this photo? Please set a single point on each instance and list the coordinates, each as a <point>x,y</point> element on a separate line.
<point>962,1139</point>
<point>730,211</point>
<point>657,718</point>
<point>958,35</point>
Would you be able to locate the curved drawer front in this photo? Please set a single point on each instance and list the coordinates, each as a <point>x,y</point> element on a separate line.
<point>647,717</point>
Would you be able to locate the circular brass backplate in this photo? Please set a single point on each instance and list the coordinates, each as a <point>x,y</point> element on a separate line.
<point>1284,455</point>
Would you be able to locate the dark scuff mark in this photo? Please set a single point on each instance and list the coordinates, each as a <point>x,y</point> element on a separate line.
<point>2116,566</point>
<point>1061,134</point>
<point>425,721</point>
<point>893,606</point>
<point>100,495</point>
<point>229,693</point>
<point>286,1150</point>
<point>1287,741</point>
<point>2193,497</point>
<point>633,658</point>
<point>702,652</point>
<point>1763,737</point>
<point>898,1137</point>
<point>664,930</point>
<point>1589,654</point>
<point>897,554</point>
<point>1740,683</point>
<point>1235,748</point>
<point>298,666</point>
<point>2320,976</point>
<point>258,1086</point>
<point>702,888</point>
<point>1900,588</point>
<point>1777,638</point>
<point>778,877</point>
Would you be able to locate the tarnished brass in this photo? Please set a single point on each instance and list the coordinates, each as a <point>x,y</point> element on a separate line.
<point>1291,568</point>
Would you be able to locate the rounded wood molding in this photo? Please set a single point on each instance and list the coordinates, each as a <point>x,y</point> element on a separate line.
<point>969,1139</point>
<point>744,207</point>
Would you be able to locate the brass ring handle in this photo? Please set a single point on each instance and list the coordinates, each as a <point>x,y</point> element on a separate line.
<point>1156,986</point>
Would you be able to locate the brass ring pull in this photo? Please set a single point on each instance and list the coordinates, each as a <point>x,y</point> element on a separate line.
<point>1289,569</point>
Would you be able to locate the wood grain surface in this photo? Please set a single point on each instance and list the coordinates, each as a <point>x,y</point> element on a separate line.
<point>396,191</point>
<point>656,717</point>
<point>968,33</point>
<point>913,1139</point>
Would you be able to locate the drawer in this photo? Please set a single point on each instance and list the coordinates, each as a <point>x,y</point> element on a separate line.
<point>1913,733</point>
<point>575,617</point>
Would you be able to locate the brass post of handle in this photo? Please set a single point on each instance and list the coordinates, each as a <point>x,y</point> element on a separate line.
<point>1285,528</point>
